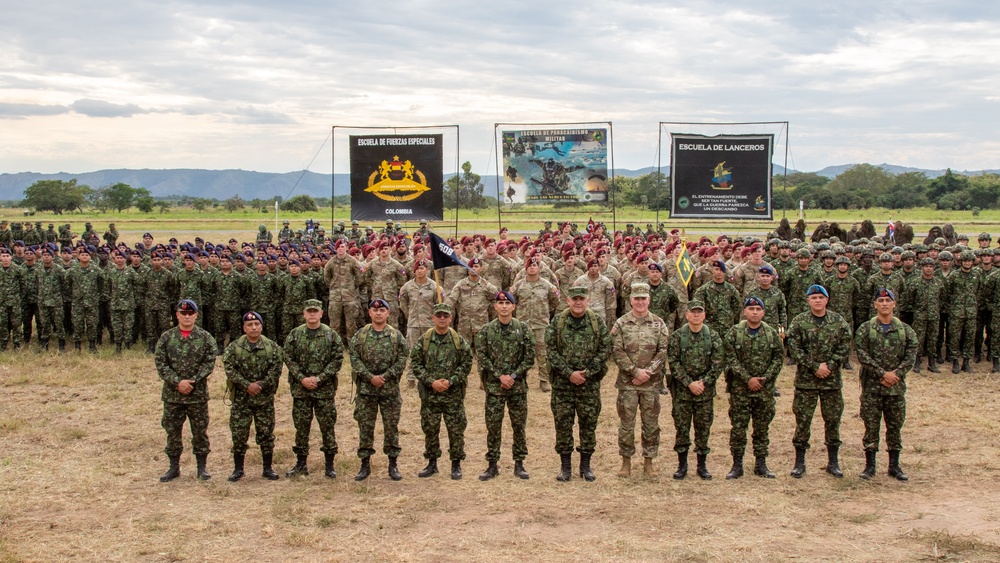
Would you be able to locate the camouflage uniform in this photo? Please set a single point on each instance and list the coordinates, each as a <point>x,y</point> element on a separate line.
<point>29,301</point>
<point>314,353</point>
<point>378,353</point>
<point>573,345</point>
<point>723,305</point>
<point>50,302</point>
<point>775,306</point>
<point>473,303</point>
<point>192,358</point>
<point>85,284</point>
<point>814,340</point>
<point>603,297</point>
<point>567,278</point>
<point>961,289</point>
<point>230,291</point>
<point>794,286</point>
<point>497,271</point>
<point>293,292</point>
<point>385,279</point>
<point>263,295</point>
<point>536,302</point>
<point>157,301</point>
<point>664,302</point>
<point>845,294</point>
<point>246,363</point>
<point>750,354</point>
<point>344,276</point>
<point>637,342</point>
<point>121,286</point>
<point>190,285</point>
<point>11,289</point>
<point>694,356</point>
<point>417,301</point>
<point>881,351</point>
<point>438,357</point>
<point>926,297</point>
<point>505,349</point>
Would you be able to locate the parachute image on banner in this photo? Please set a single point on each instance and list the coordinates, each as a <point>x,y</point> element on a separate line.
<point>555,165</point>
<point>397,177</point>
<point>721,176</point>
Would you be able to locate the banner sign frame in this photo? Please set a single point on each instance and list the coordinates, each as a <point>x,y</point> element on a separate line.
<point>722,176</point>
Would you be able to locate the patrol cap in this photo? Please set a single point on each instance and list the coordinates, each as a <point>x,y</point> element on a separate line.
<point>817,289</point>
<point>313,305</point>
<point>640,290</point>
<point>766,270</point>
<point>442,308</point>
<point>582,292</point>
<point>696,304</point>
<point>253,316</point>
<point>504,297</point>
<point>753,301</point>
<point>885,292</point>
<point>187,306</point>
<point>378,304</point>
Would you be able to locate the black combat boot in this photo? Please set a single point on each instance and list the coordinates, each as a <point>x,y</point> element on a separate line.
<point>894,469</point>
<point>394,473</point>
<point>585,471</point>
<point>916,365</point>
<point>955,367</point>
<point>456,469</point>
<point>682,466</point>
<point>62,345</point>
<point>833,465</point>
<point>519,471</point>
<point>996,366</point>
<point>760,468</point>
<point>151,347</point>
<point>118,347</point>
<point>268,472</point>
<point>932,365</point>
<point>431,469</point>
<point>965,365</point>
<point>93,347</point>
<point>566,469</point>
<point>491,472</point>
<point>43,345</point>
<point>329,471</point>
<point>869,470</point>
<point>203,474</point>
<point>365,471</point>
<point>737,471</point>
<point>237,468</point>
<point>702,468</point>
<point>77,345</point>
<point>174,471</point>
<point>847,364</point>
<point>300,468</point>
<point>800,463</point>
<point>128,344</point>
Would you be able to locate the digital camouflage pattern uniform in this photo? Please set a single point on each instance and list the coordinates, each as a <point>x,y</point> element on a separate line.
<point>122,288</point>
<point>473,303</point>
<point>882,350</point>
<point>845,293</point>
<point>385,279</point>
<point>603,297</point>
<point>750,354</point>
<point>344,276</point>
<point>636,343</point>
<point>190,284</point>
<point>814,340</point>
<point>158,299</point>
<point>505,349</point>
<point>576,344</point>
<point>248,362</point>
<point>230,291</point>
<point>536,303</point>
<point>314,353</point>
<point>192,358</point>
<point>961,289</point>
<point>50,302</point>
<point>263,297</point>
<point>694,356</point>
<point>723,305</point>
<point>378,353</point>
<point>293,292</point>
<point>11,288</point>
<point>438,357</point>
<point>664,301</point>
<point>85,286</point>
<point>926,297</point>
<point>794,286</point>
<point>775,306</point>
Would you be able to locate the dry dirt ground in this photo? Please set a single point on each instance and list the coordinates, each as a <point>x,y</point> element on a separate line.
<point>81,450</point>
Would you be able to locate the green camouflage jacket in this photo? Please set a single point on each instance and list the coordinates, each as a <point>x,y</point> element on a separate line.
<point>247,363</point>
<point>505,350</point>
<point>313,353</point>
<point>180,358</point>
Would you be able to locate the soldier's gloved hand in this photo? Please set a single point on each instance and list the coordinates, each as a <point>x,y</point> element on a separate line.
<point>506,381</point>
<point>254,389</point>
<point>185,386</point>
<point>378,380</point>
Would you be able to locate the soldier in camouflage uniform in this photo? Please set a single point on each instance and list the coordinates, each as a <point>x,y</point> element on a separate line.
<point>29,299</point>
<point>344,275</point>
<point>417,298</point>
<point>122,288</point>
<point>603,297</point>
<point>796,281</point>
<point>962,288</point>
<point>886,349</point>
<point>263,292</point>
<point>754,354</point>
<point>537,301</point>
<point>158,289</point>
<point>378,357</point>
<point>313,354</point>
<point>441,361</point>
<point>51,278</point>
<point>85,286</point>
<point>230,290</point>
<point>696,361</point>
<point>185,357</point>
<point>845,293</point>
<point>925,292</point>
<point>190,282</point>
<point>295,289</point>
<point>472,300</point>
<point>384,277</point>
<point>820,341</point>
<point>11,288</point>
<point>721,300</point>
<point>664,302</point>
<point>505,350</point>
<point>579,344</point>
<point>639,348</point>
<point>253,369</point>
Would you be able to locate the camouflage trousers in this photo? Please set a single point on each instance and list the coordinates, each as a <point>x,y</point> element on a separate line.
<point>744,407</point>
<point>453,411</point>
<point>226,323</point>
<point>174,415</point>
<point>685,413</point>
<point>943,328</point>
<point>67,318</point>
<point>541,355</point>
<point>961,337</point>
<point>343,314</point>
<point>413,334</point>
<point>289,320</point>
<point>984,332</point>
<point>29,313</point>
<point>104,320</point>
<point>85,319</point>
<point>50,322</point>
<point>804,407</point>
<point>568,406</point>
<point>241,414</point>
<point>325,411</point>
<point>926,330</point>
<point>121,325</point>
<point>10,324</point>
<point>517,406</point>
<point>873,408</point>
<point>647,403</point>
<point>366,409</point>
<point>157,322</point>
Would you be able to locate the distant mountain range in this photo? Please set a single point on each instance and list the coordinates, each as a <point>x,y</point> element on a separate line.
<point>223,184</point>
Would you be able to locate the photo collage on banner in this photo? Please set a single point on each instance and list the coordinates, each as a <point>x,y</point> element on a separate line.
<point>546,166</point>
<point>397,177</point>
<point>721,176</point>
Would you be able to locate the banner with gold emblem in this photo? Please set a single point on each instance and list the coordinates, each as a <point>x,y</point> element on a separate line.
<point>397,177</point>
<point>722,176</point>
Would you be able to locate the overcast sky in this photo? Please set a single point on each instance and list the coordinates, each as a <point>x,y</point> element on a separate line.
<point>87,85</point>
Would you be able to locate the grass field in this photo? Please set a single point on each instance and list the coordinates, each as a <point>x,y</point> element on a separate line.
<point>82,450</point>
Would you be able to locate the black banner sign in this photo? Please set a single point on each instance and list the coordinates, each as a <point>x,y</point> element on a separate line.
<point>721,176</point>
<point>397,177</point>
